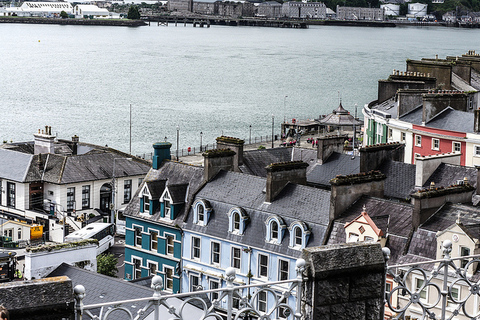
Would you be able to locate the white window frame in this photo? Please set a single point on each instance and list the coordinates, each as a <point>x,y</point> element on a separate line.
<point>282,272</point>
<point>463,262</point>
<point>455,144</point>
<point>403,136</point>
<point>416,287</point>
<point>390,133</point>
<point>138,237</point>
<point>168,245</point>
<point>168,283</point>
<point>211,284</point>
<point>153,240</point>
<point>135,270</point>
<point>214,253</point>
<point>418,140</point>
<point>476,150</point>
<point>435,141</point>
<point>450,303</point>
<point>196,250</point>
<point>234,258</point>
<point>152,263</point>
<point>191,277</point>
<point>262,299</point>
<point>262,266</point>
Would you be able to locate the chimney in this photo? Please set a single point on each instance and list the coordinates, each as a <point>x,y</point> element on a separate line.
<point>371,157</point>
<point>235,145</point>
<point>215,160</point>
<point>44,141</point>
<point>75,140</point>
<point>345,190</point>
<point>427,201</point>
<point>328,145</point>
<point>425,166</point>
<point>281,173</point>
<point>161,151</point>
<point>476,120</point>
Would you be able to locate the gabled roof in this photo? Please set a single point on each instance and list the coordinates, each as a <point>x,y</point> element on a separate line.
<point>336,164</point>
<point>452,120</point>
<point>463,228</point>
<point>14,165</point>
<point>155,188</point>
<point>364,218</point>
<point>178,192</point>
<point>294,203</point>
<point>175,174</point>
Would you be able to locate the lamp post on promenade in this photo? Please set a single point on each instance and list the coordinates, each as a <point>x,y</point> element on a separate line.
<point>114,189</point>
<point>201,134</point>
<point>178,129</point>
<point>285,109</point>
<point>273,124</point>
<point>250,138</point>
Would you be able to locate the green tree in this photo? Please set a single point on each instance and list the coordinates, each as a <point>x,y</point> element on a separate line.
<point>133,13</point>
<point>63,15</point>
<point>107,264</point>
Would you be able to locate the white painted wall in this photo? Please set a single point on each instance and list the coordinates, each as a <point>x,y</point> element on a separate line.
<point>40,264</point>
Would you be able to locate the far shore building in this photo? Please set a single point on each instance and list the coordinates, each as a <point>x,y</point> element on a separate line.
<point>269,9</point>
<point>357,13</point>
<point>93,11</point>
<point>38,9</point>
<point>304,10</point>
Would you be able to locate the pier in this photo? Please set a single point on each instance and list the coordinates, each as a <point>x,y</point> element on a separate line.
<point>223,21</point>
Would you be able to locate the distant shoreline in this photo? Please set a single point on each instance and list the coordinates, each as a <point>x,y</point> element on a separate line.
<point>82,22</point>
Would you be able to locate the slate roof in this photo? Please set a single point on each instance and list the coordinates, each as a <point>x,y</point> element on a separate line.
<point>100,289</point>
<point>448,214</point>
<point>294,202</point>
<point>178,192</point>
<point>18,163</point>
<point>453,120</point>
<point>255,161</point>
<point>448,174</point>
<point>400,181</point>
<point>156,188</point>
<point>388,106</point>
<point>414,116</point>
<point>392,217</point>
<point>176,174</point>
<point>336,164</point>
<point>14,165</point>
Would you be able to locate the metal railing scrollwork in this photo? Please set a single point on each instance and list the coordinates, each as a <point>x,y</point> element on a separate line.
<point>233,302</point>
<point>447,290</point>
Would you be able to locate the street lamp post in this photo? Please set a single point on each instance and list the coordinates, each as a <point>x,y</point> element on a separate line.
<point>273,124</point>
<point>178,129</point>
<point>250,138</point>
<point>201,133</point>
<point>114,189</point>
<point>285,109</point>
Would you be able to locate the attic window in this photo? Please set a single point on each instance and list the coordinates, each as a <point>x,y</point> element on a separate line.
<point>275,229</point>
<point>201,212</point>
<point>299,234</point>
<point>237,220</point>
<point>361,229</point>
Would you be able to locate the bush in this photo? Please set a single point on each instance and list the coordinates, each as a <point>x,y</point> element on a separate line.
<point>107,264</point>
<point>133,13</point>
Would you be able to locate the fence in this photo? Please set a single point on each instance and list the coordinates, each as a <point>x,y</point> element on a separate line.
<point>194,150</point>
<point>239,303</point>
<point>443,289</point>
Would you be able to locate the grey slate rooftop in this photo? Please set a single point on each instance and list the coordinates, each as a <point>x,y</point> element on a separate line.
<point>453,120</point>
<point>336,164</point>
<point>295,202</point>
<point>14,165</point>
<point>448,174</point>
<point>255,161</point>
<point>400,182</point>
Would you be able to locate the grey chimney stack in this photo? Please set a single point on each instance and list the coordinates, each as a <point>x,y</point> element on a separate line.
<point>280,174</point>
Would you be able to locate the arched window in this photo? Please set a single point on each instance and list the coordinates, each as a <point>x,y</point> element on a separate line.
<point>274,231</point>
<point>236,221</point>
<point>201,212</point>
<point>298,236</point>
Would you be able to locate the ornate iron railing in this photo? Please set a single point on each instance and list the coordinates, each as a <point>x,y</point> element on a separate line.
<point>434,294</point>
<point>178,306</point>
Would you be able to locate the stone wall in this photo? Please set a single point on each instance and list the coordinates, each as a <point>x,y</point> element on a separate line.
<point>344,282</point>
<point>441,70</point>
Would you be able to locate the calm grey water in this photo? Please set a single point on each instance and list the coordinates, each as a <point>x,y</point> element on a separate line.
<point>82,79</point>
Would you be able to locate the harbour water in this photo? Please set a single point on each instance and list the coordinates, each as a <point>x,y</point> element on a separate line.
<point>219,80</point>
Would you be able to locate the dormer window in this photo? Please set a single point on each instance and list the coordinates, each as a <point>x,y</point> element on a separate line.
<point>201,212</point>
<point>167,207</point>
<point>237,220</point>
<point>146,204</point>
<point>299,234</point>
<point>275,229</point>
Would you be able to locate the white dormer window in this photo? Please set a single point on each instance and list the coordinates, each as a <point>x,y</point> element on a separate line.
<point>299,234</point>
<point>237,220</point>
<point>146,204</point>
<point>275,229</point>
<point>145,197</point>
<point>201,212</point>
